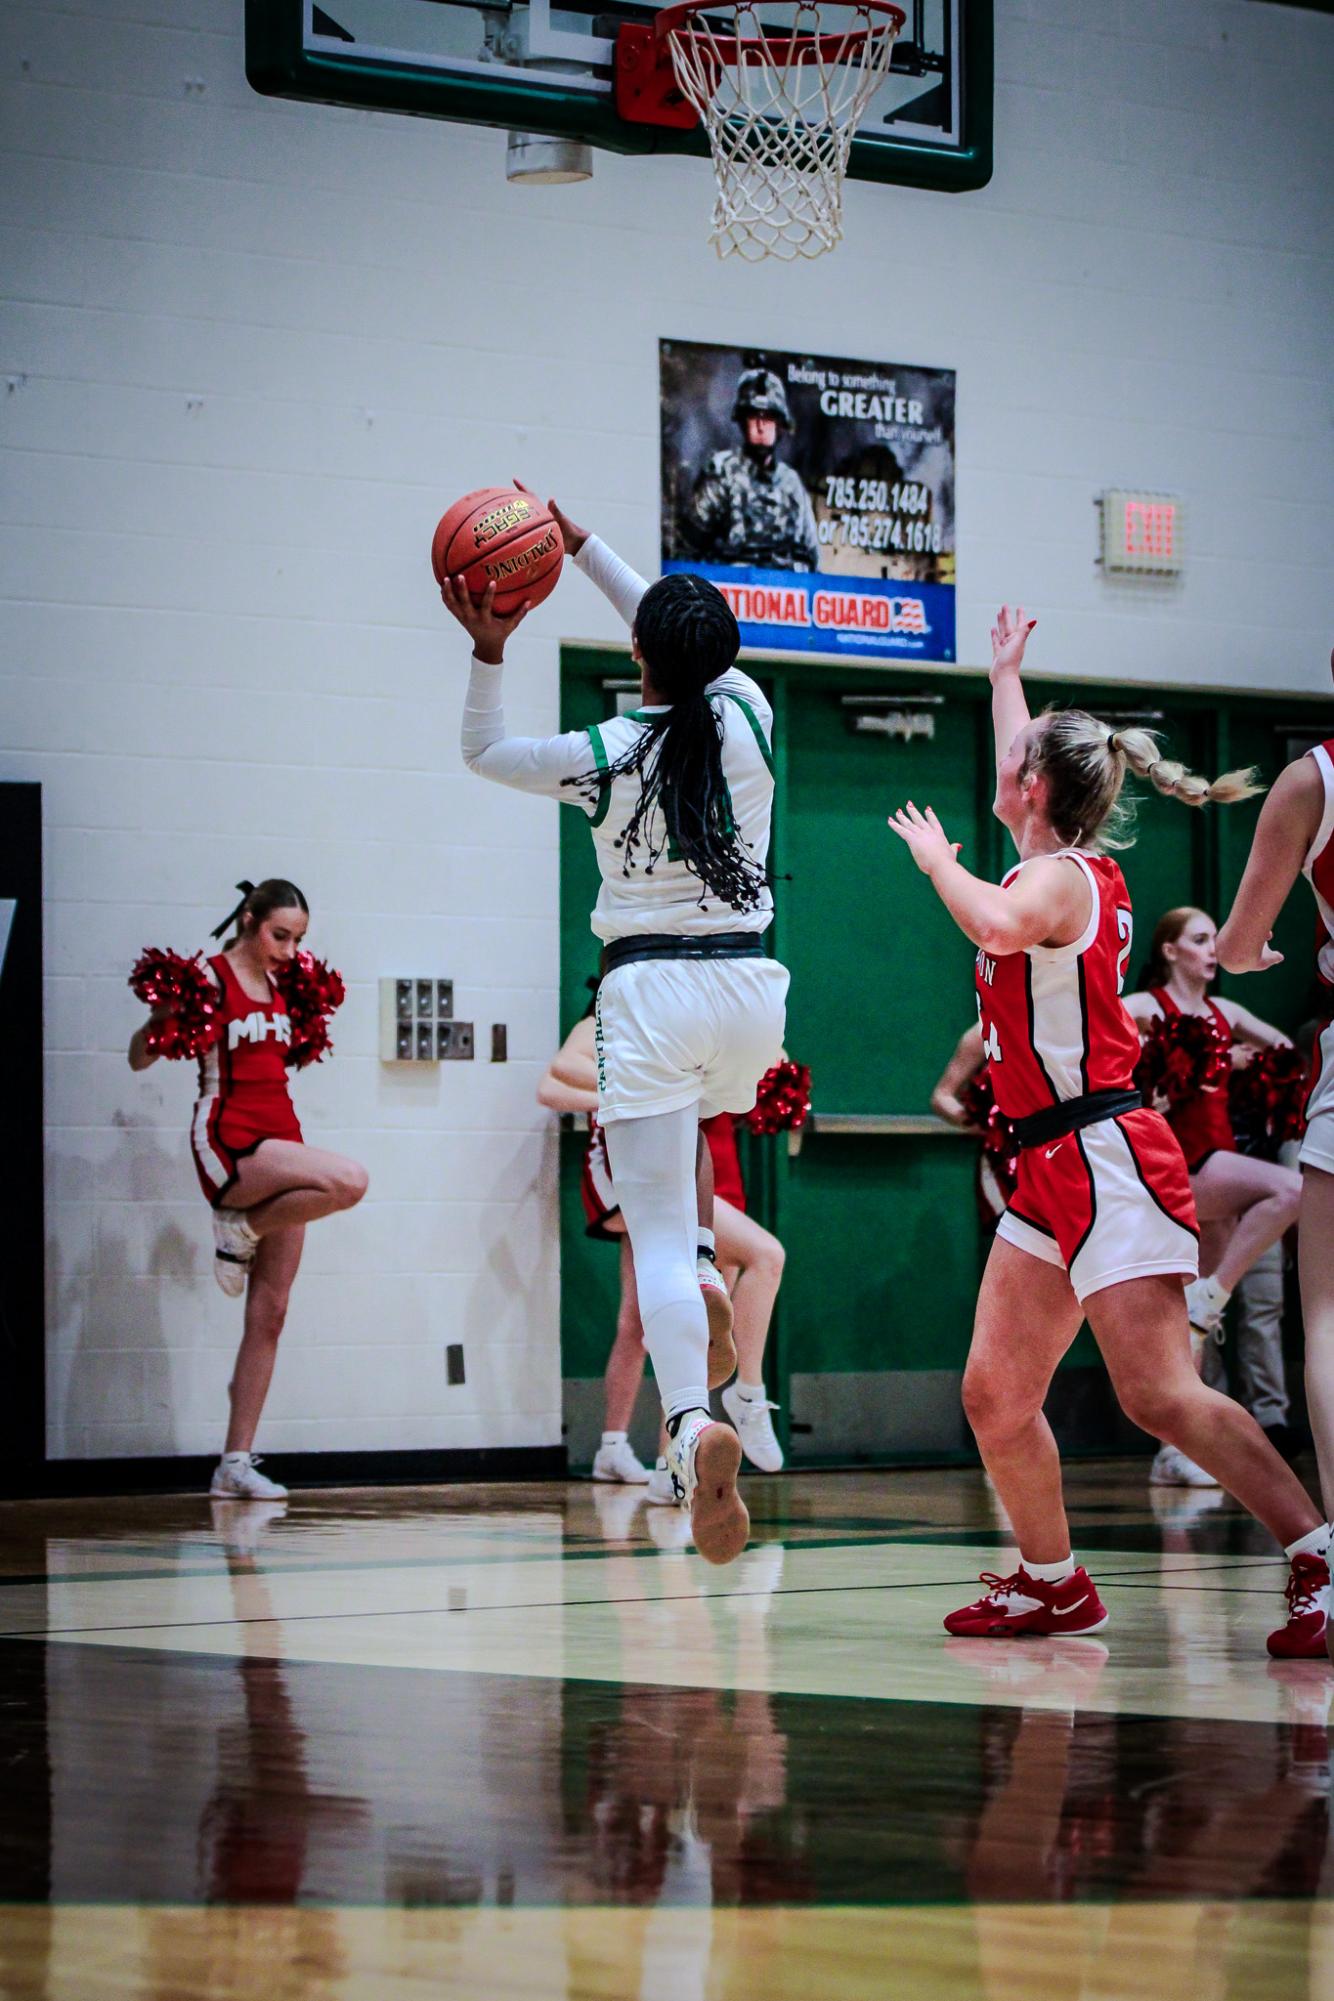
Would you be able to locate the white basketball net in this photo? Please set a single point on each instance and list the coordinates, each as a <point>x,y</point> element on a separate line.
<point>781,98</point>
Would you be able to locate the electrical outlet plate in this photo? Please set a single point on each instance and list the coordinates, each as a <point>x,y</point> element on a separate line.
<point>416,1011</point>
<point>453,1042</point>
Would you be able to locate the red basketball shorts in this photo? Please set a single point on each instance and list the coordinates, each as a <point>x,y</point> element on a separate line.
<point>1108,1203</point>
<point>225,1130</point>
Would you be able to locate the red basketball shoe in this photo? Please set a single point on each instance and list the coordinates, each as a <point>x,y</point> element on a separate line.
<point>1303,1637</point>
<point>1022,1604</point>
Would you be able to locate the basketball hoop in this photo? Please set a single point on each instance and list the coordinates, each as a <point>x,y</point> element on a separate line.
<point>780,97</point>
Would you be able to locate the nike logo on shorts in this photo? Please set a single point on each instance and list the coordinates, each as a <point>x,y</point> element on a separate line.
<point>1053,1149</point>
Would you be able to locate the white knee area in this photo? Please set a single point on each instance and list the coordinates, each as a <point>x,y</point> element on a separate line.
<point>653,1167</point>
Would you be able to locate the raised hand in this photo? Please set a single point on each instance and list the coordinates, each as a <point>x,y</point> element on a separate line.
<point>925,838</point>
<point>571,534</point>
<point>1009,636</point>
<point>485,626</point>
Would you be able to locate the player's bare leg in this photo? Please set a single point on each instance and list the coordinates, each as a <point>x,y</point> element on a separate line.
<point>1315,1261</point>
<point>1142,1330</point>
<point>712,1282</point>
<point>1027,1317</point>
<point>752,1259</point>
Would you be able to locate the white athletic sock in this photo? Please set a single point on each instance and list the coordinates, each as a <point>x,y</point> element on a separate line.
<point>691,1396</point>
<point>614,1437</point>
<point>752,1392</point>
<point>1050,1573</point>
<point>230,1458</point>
<point>1217,1295</point>
<point>707,1242</point>
<point>1314,1543</point>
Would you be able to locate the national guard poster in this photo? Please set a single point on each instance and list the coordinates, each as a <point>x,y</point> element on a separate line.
<point>816,492</point>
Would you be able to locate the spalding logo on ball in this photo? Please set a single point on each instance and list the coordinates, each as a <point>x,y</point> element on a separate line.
<point>503,537</point>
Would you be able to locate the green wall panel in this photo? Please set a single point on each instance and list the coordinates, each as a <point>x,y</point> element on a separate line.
<point>882,1234</point>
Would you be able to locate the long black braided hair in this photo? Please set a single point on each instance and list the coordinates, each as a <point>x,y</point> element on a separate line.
<point>687,637</point>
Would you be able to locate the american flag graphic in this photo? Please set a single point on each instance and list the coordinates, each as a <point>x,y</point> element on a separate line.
<point>908,615</point>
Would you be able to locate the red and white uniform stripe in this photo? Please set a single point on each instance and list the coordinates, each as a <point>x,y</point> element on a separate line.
<point>243,1095</point>
<point>1111,1201</point>
<point>1318,868</point>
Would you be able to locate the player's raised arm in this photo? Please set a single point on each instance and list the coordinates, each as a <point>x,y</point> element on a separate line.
<point>1009,704</point>
<point>1046,905</point>
<point>619,584</point>
<point>1288,823</point>
<point>529,764</point>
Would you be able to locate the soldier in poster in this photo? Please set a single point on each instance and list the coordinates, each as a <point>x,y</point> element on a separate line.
<point>747,506</point>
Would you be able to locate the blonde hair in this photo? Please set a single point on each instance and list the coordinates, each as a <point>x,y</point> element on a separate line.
<point>1086,763</point>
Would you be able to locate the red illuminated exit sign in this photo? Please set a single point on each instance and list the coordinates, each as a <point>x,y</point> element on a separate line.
<point>1141,533</point>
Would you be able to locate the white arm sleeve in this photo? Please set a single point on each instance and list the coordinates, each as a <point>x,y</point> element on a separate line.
<point>529,763</point>
<point>621,585</point>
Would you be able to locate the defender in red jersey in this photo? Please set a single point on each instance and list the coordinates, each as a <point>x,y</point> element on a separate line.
<point>1102,1224</point>
<point>1295,836</point>
<point>264,1183</point>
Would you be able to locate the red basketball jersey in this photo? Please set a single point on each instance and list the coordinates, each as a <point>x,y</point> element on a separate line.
<point>1053,1026</point>
<point>1318,867</point>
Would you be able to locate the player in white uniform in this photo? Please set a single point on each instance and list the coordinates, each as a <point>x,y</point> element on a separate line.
<point>690,1012</point>
<point>1295,836</point>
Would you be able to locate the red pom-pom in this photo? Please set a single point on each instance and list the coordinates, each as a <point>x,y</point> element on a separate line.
<point>1000,1148</point>
<point>1182,1056</point>
<point>312,991</point>
<point>187,996</point>
<point>1268,1095</point>
<point>782,1101</point>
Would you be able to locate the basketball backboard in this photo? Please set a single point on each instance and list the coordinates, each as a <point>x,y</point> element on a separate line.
<point>548,67</point>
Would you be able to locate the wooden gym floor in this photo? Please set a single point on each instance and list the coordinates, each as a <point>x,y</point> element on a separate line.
<point>520,1742</point>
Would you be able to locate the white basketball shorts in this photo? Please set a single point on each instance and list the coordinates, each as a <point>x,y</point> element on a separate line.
<point>1318,1143</point>
<point>678,1032</point>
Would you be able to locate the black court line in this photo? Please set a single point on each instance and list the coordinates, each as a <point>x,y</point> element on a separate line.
<point>566,1605</point>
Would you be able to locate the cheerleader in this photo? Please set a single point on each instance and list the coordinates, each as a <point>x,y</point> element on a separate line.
<point>690,1010</point>
<point>1250,1203</point>
<point>262,1181</point>
<point>1295,836</point>
<point>1102,1225</point>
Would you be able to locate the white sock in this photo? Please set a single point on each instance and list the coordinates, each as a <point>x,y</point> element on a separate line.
<point>614,1437</point>
<point>752,1392</point>
<point>231,1458</point>
<point>1217,1295</point>
<point>1314,1543</point>
<point>707,1242</point>
<point>691,1396</point>
<point>1050,1573</point>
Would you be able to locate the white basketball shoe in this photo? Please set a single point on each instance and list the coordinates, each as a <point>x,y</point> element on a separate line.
<point>234,1247</point>
<point>237,1478</point>
<point>704,1459</point>
<point>754,1427</point>
<point>616,1460</point>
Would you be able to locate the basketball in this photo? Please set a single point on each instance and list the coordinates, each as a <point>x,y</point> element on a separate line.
<point>501,536</point>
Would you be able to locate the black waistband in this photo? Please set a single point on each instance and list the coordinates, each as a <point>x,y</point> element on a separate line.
<point>1074,1113</point>
<point>675,945</point>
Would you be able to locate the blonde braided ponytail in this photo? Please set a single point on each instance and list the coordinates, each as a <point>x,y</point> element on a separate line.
<point>1085,763</point>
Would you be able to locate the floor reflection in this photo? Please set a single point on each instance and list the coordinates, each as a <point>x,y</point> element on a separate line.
<point>193,1822</point>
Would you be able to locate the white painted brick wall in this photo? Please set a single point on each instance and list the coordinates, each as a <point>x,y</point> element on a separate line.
<point>254,348</point>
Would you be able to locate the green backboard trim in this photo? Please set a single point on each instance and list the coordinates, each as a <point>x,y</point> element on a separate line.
<point>279,65</point>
